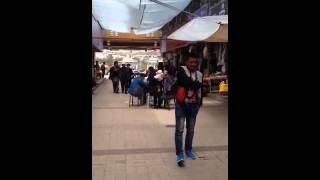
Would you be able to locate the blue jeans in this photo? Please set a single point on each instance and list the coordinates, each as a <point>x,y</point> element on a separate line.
<point>188,112</point>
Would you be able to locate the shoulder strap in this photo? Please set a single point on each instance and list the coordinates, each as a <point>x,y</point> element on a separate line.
<point>188,73</point>
<point>186,70</point>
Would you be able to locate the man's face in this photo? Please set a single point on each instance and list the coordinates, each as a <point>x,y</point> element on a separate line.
<point>192,64</point>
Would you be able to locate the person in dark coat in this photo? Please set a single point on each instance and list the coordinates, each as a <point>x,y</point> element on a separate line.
<point>154,87</point>
<point>114,76</point>
<point>103,69</point>
<point>124,73</point>
<point>130,74</point>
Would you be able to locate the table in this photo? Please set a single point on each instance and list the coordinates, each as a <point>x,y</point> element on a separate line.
<point>210,78</point>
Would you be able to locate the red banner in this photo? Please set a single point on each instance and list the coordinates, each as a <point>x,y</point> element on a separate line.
<point>174,44</point>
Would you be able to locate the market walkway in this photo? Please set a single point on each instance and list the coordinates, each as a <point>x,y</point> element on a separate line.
<point>137,143</point>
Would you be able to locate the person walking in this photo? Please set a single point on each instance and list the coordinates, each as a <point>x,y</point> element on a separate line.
<point>114,76</point>
<point>188,102</point>
<point>103,69</point>
<point>124,73</point>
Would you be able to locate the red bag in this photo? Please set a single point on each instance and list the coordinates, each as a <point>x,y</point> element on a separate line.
<point>180,94</point>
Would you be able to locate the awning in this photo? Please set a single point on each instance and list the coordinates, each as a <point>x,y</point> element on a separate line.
<point>143,16</point>
<point>207,28</point>
<point>219,36</point>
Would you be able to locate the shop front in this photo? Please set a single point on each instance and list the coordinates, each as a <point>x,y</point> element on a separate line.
<point>97,45</point>
<point>208,37</point>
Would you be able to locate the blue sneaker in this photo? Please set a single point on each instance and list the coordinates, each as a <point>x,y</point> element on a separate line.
<point>190,155</point>
<point>180,159</point>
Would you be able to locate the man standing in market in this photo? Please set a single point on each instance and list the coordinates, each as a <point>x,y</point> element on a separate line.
<point>114,76</point>
<point>188,102</point>
<point>130,73</point>
<point>97,68</point>
<point>123,74</point>
<point>103,69</point>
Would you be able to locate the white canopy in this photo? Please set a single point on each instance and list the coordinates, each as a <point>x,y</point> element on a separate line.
<point>124,15</point>
<point>203,29</point>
